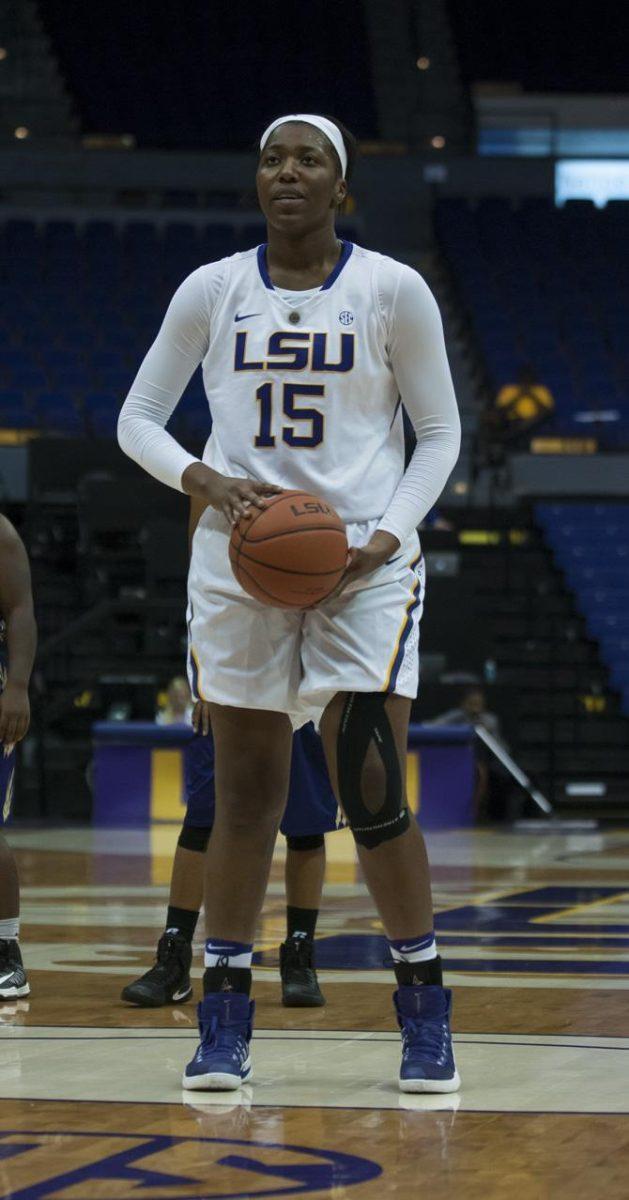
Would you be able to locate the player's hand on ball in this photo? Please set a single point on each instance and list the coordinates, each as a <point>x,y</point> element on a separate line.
<point>15,714</point>
<point>201,717</point>
<point>365,559</point>
<point>233,497</point>
<point>236,497</point>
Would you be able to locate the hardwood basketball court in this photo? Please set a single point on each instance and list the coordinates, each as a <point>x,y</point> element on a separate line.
<point>534,931</point>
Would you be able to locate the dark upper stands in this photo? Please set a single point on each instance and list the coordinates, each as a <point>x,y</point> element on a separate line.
<point>550,287</point>
<point>188,75</point>
<point>590,543</point>
<point>566,46</point>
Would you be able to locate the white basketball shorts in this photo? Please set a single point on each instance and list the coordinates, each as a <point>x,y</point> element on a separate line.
<point>248,655</point>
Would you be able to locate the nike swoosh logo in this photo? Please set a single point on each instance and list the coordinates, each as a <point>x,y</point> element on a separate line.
<point>5,977</point>
<point>244,316</point>
<point>410,949</point>
<point>180,995</point>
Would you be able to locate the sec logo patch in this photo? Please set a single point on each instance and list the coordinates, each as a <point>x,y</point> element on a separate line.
<point>346,317</point>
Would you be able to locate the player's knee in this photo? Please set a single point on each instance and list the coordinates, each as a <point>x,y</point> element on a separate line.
<point>194,837</point>
<point>257,807</point>
<point>370,778</point>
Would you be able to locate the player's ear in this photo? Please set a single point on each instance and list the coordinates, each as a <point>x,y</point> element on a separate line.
<point>340,192</point>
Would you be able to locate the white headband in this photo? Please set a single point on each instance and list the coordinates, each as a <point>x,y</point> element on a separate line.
<point>330,130</point>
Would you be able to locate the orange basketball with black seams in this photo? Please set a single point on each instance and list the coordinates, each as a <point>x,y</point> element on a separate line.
<point>290,554</point>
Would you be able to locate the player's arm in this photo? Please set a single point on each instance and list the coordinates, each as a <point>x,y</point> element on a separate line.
<point>179,348</point>
<point>16,607</point>
<point>420,365</point>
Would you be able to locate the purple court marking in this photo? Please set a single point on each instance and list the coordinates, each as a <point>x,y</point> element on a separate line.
<point>333,1170</point>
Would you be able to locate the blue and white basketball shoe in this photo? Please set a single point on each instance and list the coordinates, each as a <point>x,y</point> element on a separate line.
<point>222,1062</point>
<point>423,1015</point>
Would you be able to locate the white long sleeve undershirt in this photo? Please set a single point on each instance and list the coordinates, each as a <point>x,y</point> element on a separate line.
<point>418,358</point>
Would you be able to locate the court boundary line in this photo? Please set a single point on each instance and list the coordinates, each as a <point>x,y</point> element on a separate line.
<point>459,1039</point>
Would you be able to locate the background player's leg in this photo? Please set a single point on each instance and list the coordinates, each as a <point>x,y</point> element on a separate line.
<point>304,873</point>
<point>168,980</point>
<point>396,872</point>
<point>13,980</point>
<point>186,883</point>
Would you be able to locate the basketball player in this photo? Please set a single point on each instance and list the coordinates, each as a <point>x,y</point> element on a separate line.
<point>310,346</point>
<point>311,812</point>
<point>18,637</point>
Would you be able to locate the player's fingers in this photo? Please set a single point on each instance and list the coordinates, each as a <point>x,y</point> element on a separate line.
<point>354,563</point>
<point>239,509</point>
<point>251,500</point>
<point>206,720</point>
<point>195,718</point>
<point>266,489</point>
<point>256,502</point>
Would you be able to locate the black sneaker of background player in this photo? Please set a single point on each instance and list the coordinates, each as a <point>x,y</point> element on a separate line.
<point>13,981</point>
<point>168,982</point>
<point>300,987</point>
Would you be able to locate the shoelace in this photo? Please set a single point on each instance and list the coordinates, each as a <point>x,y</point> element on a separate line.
<point>221,1037</point>
<point>433,1036</point>
<point>298,952</point>
<point>167,962</point>
<point>165,947</point>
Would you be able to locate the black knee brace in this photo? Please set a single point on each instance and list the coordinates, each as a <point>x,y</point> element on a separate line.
<point>194,837</point>
<point>310,841</point>
<point>364,720</point>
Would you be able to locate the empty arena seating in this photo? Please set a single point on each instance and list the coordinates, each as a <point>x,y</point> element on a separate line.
<point>548,287</point>
<point>590,543</point>
<point>200,85</point>
<point>79,307</point>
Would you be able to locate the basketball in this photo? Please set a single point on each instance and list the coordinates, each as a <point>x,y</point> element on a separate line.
<point>290,554</point>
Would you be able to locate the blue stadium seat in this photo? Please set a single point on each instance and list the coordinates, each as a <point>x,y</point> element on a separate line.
<point>14,413</point>
<point>550,287</point>
<point>102,420</point>
<point>57,414</point>
<point>591,544</point>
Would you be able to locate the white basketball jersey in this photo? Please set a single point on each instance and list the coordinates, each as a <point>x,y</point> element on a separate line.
<point>303,395</point>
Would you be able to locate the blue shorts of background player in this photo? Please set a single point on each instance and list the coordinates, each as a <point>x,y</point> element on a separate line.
<point>311,809</point>
<point>311,812</point>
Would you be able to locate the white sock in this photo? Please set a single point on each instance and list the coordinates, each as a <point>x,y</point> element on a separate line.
<point>223,953</point>
<point>10,929</point>
<point>410,950</point>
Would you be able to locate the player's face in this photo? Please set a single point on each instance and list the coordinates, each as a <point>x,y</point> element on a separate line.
<point>298,181</point>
